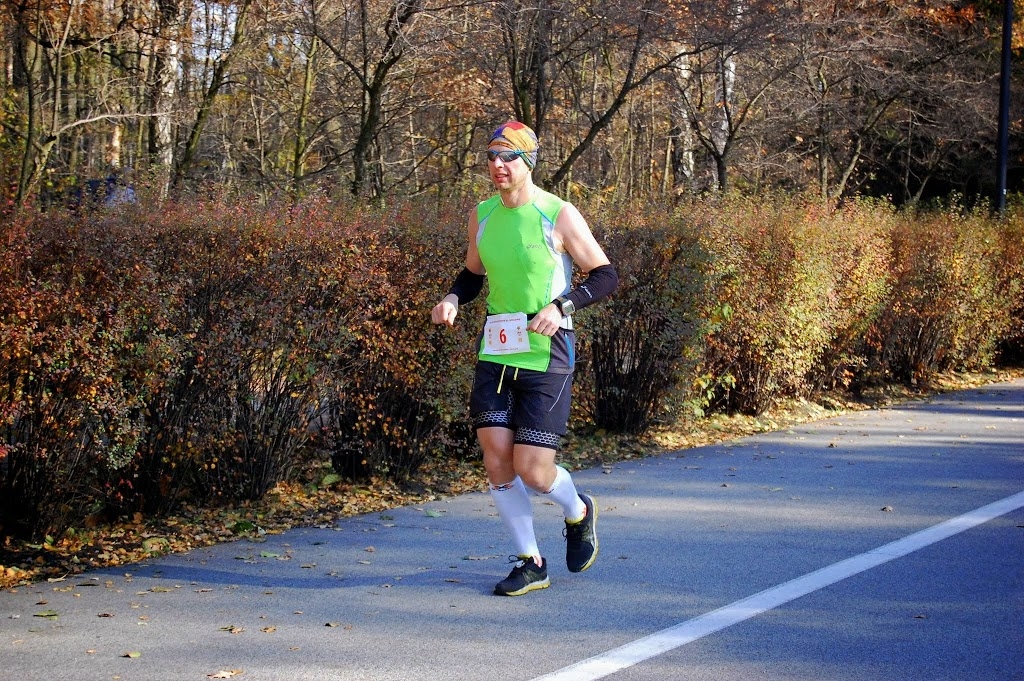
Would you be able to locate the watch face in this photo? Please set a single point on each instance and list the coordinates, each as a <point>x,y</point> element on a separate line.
<point>567,307</point>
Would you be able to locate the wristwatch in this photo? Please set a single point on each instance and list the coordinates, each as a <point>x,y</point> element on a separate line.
<point>565,306</point>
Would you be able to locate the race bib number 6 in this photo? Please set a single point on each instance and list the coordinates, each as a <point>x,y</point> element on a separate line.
<point>506,334</point>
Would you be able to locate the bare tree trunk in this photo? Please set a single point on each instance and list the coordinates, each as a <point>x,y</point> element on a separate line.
<point>171,18</point>
<point>681,143</point>
<point>721,123</point>
<point>400,20</point>
<point>29,56</point>
<point>526,31</point>
<point>206,104</point>
<point>42,129</point>
<point>639,66</point>
<point>308,85</point>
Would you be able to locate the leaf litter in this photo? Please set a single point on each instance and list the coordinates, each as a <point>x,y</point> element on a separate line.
<point>298,503</point>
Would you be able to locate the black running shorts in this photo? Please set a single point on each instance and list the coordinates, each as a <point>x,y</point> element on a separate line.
<point>535,404</point>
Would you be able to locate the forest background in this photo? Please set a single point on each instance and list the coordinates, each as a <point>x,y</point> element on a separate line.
<point>373,97</point>
<point>796,194</point>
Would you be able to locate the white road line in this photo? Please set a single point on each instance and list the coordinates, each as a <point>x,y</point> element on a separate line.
<point>620,658</point>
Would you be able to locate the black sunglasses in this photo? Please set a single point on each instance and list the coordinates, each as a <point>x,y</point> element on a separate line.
<point>505,156</point>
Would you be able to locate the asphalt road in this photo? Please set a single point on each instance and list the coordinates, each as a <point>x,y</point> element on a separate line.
<point>881,545</point>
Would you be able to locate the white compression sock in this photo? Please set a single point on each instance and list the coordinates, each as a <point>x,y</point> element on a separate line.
<point>563,492</point>
<point>516,511</point>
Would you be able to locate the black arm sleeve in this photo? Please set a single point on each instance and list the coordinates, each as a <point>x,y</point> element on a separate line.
<point>599,284</point>
<point>467,285</point>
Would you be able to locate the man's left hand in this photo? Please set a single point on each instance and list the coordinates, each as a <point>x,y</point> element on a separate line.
<point>547,321</point>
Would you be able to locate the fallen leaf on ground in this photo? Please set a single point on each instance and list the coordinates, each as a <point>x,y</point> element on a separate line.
<point>291,504</point>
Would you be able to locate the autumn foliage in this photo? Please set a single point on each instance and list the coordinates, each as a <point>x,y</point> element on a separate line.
<point>638,349</point>
<point>203,353</point>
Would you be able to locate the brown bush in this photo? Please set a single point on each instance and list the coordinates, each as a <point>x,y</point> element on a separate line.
<point>260,302</point>
<point>203,351</point>
<point>81,354</point>
<point>1011,284</point>
<point>855,241</point>
<point>947,308</point>
<point>404,399</point>
<point>639,347</point>
<point>787,272</point>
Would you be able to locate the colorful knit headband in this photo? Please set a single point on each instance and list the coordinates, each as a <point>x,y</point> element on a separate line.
<point>517,137</point>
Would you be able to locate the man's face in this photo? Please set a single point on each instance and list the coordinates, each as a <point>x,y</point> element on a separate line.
<point>506,175</point>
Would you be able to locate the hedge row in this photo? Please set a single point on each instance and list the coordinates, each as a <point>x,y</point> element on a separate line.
<point>201,352</point>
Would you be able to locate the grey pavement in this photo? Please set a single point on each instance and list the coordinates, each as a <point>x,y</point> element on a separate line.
<point>687,538</point>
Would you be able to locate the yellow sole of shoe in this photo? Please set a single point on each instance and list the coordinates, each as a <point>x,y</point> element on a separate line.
<point>527,589</point>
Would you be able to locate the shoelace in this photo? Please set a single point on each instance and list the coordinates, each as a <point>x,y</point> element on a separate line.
<point>522,565</point>
<point>573,532</point>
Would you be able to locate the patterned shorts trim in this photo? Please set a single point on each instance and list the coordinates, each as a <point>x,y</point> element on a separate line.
<point>537,438</point>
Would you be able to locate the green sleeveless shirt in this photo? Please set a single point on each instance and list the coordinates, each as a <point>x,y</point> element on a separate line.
<point>525,273</point>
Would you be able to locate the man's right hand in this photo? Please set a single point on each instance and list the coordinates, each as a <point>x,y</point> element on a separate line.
<point>445,311</point>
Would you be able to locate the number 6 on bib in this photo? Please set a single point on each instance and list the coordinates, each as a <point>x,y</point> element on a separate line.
<point>506,334</point>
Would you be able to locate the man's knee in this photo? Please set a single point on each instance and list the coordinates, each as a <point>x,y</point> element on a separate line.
<point>535,466</point>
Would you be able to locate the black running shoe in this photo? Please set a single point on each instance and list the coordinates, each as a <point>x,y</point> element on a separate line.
<point>525,577</point>
<point>581,539</point>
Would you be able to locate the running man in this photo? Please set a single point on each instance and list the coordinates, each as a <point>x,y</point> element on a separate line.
<point>525,241</point>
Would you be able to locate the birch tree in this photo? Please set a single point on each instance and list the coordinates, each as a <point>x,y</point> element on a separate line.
<point>741,54</point>
<point>170,27</point>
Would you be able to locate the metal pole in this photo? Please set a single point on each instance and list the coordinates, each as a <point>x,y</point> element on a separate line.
<point>1004,107</point>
